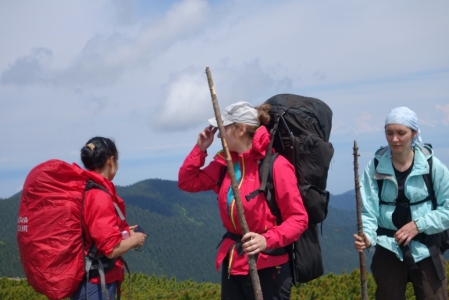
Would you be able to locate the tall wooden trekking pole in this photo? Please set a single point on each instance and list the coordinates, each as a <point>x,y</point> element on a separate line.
<point>363,282</point>
<point>238,201</point>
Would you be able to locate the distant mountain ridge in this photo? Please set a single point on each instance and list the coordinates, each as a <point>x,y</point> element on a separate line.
<point>345,201</point>
<point>183,232</point>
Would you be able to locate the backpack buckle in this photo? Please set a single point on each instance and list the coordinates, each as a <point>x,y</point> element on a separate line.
<point>403,204</point>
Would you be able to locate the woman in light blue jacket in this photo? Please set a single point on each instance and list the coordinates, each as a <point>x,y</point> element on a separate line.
<point>399,216</point>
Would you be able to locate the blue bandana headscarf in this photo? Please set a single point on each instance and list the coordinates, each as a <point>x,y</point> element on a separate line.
<point>407,117</point>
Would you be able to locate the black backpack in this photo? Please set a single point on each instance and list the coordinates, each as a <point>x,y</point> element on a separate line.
<point>300,130</point>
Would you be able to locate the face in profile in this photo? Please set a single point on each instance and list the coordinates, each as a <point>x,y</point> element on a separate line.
<point>230,136</point>
<point>113,167</point>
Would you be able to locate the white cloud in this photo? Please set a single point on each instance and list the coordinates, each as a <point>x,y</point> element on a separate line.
<point>445,110</point>
<point>31,69</point>
<point>364,124</point>
<point>188,103</point>
<point>134,71</point>
<point>61,26</point>
<point>107,57</point>
<point>185,103</point>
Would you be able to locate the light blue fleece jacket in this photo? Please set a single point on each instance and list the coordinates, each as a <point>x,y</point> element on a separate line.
<point>428,221</point>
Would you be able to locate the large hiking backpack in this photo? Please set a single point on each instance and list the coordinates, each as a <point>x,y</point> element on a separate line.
<point>300,130</point>
<point>49,232</point>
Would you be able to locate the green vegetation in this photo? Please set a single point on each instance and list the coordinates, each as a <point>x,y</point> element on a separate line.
<point>183,232</point>
<point>144,287</point>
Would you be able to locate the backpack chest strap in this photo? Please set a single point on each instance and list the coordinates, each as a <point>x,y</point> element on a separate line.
<point>404,204</point>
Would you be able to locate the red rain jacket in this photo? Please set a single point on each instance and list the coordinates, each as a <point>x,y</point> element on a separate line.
<point>102,224</point>
<point>192,178</point>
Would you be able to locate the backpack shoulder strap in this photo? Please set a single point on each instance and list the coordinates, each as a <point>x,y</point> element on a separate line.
<point>427,179</point>
<point>270,193</point>
<point>265,169</point>
<point>429,184</point>
<point>93,185</point>
<point>267,181</point>
<point>380,182</point>
<point>223,172</point>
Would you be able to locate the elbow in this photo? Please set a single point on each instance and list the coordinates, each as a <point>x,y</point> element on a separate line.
<point>306,220</point>
<point>182,185</point>
<point>111,255</point>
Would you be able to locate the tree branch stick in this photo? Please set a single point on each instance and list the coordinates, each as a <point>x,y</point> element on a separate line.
<point>238,201</point>
<point>363,283</point>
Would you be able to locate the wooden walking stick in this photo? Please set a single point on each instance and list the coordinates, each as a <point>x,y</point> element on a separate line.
<point>363,282</point>
<point>238,201</point>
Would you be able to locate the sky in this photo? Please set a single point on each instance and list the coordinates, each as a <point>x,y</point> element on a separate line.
<point>134,71</point>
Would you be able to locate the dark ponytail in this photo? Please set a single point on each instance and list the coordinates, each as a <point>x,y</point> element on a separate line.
<point>97,151</point>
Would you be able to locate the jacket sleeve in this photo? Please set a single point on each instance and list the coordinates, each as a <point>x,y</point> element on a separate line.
<point>437,220</point>
<point>101,220</point>
<point>289,201</point>
<point>370,202</point>
<point>191,178</point>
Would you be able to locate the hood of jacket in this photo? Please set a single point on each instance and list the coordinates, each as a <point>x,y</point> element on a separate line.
<point>258,148</point>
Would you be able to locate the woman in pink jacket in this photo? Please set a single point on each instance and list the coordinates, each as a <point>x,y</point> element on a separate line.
<point>247,141</point>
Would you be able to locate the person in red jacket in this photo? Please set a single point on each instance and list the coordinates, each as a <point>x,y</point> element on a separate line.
<point>247,141</point>
<point>103,220</point>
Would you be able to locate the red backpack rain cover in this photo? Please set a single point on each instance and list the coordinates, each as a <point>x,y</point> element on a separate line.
<point>49,228</point>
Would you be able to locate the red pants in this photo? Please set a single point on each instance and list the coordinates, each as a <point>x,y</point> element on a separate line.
<point>391,276</point>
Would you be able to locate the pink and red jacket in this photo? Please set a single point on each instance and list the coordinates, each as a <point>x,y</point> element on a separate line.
<point>194,178</point>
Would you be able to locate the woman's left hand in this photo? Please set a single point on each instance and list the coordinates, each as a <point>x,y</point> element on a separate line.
<point>406,233</point>
<point>253,243</point>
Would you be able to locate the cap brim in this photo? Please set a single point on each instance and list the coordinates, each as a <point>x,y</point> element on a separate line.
<point>213,122</point>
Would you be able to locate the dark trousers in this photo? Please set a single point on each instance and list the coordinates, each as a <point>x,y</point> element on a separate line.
<point>276,284</point>
<point>391,276</point>
<point>94,291</point>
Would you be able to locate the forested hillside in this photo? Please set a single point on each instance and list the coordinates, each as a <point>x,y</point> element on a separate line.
<point>9,253</point>
<point>183,232</point>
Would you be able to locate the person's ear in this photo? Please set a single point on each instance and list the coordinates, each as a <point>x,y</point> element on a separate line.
<point>111,161</point>
<point>242,130</point>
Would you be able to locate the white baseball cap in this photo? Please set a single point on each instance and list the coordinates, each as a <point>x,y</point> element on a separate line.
<point>240,112</point>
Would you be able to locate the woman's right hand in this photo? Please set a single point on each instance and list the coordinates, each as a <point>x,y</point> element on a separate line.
<point>135,240</point>
<point>138,237</point>
<point>206,137</point>
<point>360,243</point>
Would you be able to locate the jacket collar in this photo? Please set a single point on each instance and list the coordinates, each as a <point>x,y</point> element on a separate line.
<point>258,148</point>
<point>97,178</point>
<point>420,165</point>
